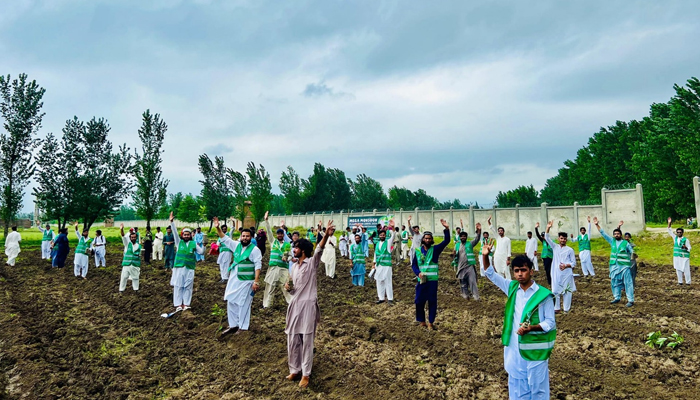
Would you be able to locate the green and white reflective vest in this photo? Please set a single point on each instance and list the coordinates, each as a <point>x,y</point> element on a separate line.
<point>404,237</point>
<point>312,237</point>
<point>246,267</point>
<point>277,250</point>
<point>533,346</point>
<point>678,250</point>
<point>83,244</point>
<point>132,256</point>
<point>357,254</point>
<point>584,242</point>
<point>619,254</point>
<point>185,255</point>
<point>382,255</point>
<point>483,242</point>
<point>222,246</point>
<point>547,251</point>
<point>427,267</point>
<point>471,259</point>
<point>47,236</point>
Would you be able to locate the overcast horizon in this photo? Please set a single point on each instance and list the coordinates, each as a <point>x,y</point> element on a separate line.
<point>460,99</point>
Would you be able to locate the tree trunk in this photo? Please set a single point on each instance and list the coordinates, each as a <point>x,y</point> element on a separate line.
<point>7,226</point>
<point>211,225</point>
<point>148,224</point>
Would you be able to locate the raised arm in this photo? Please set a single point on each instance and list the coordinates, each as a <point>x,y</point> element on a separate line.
<point>546,235</point>
<point>77,234</point>
<point>330,230</point>
<point>441,246</point>
<point>267,226</point>
<point>497,279</point>
<point>476,240</point>
<point>176,234</point>
<point>537,233</point>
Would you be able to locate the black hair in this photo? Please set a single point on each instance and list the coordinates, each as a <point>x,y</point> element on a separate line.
<point>356,235</point>
<point>463,233</point>
<point>296,233</point>
<point>247,230</point>
<point>167,227</point>
<point>280,230</point>
<point>416,227</point>
<point>252,228</point>
<point>500,227</point>
<point>560,234</point>
<point>458,228</point>
<point>305,246</point>
<point>529,232</point>
<point>63,230</point>
<point>521,261</point>
<point>224,226</point>
<point>14,228</point>
<point>680,229</point>
<point>628,234</point>
<point>396,229</point>
<point>99,232</point>
<point>403,226</point>
<point>617,230</point>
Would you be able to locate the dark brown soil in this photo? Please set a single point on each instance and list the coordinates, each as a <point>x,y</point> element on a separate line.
<point>65,338</point>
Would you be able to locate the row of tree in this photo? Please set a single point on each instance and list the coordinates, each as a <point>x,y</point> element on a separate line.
<point>659,151</point>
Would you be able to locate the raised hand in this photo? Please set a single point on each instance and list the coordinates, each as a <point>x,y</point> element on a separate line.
<point>621,223</point>
<point>595,220</point>
<point>478,226</point>
<point>266,215</point>
<point>589,219</point>
<point>76,225</point>
<point>121,226</point>
<point>445,224</point>
<point>216,222</point>
<point>486,249</point>
<point>489,220</point>
<point>549,224</point>
<point>537,225</point>
<point>172,218</point>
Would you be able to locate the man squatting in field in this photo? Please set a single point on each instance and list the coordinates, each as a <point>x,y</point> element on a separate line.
<point>182,279</point>
<point>529,329</point>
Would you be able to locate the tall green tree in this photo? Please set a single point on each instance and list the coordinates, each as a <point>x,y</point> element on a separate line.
<point>523,195</point>
<point>52,190</point>
<point>339,195</point>
<point>290,186</point>
<point>315,190</point>
<point>401,198</point>
<point>239,187</point>
<point>260,190</point>
<point>216,188</point>
<point>367,193</point>
<point>151,188</point>
<point>190,209</point>
<point>20,107</point>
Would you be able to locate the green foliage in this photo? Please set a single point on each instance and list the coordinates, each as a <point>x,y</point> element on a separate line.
<point>290,186</point>
<point>655,340</point>
<point>523,195</point>
<point>216,188</point>
<point>277,204</point>
<point>20,108</point>
<point>190,209</point>
<point>260,190</point>
<point>239,186</point>
<point>126,213</point>
<point>367,193</point>
<point>151,188</point>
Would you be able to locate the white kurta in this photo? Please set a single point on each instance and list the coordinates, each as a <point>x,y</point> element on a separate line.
<point>530,250</point>
<point>562,281</point>
<point>46,245</point>
<point>100,251</point>
<point>182,279</point>
<point>237,290</point>
<point>12,246</point>
<point>680,263</point>
<point>328,256</point>
<point>503,251</point>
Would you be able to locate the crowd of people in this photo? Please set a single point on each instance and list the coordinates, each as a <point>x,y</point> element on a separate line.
<point>528,336</point>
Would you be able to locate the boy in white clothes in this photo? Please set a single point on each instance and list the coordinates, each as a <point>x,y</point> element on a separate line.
<point>501,257</point>
<point>681,254</point>
<point>563,263</point>
<point>531,249</point>
<point>100,249</point>
<point>343,245</point>
<point>584,249</point>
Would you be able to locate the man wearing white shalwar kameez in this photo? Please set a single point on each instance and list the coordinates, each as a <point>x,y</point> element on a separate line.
<point>131,262</point>
<point>343,245</point>
<point>563,263</point>
<point>225,256</point>
<point>383,273</point>
<point>12,246</point>
<point>501,257</point>
<point>80,265</point>
<point>584,249</point>
<point>244,279</point>
<point>328,257</point>
<point>158,245</point>
<point>185,263</point>
<point>531,249</point>
<point>416,240</point>
<point>681,254</point>
<point>47,237</point>
<point>99,246</point>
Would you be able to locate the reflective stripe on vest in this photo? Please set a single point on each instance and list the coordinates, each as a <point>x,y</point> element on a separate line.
<point>357,254</point>
<point>427,267</point>
<point>246,268</point>
<point>185,255</point>
<point>132,258</point>
<point>678,250</point>
<point>533,346</point>
<point>584,242</point>
<point>48,235</point>
<point>619,254</point>
<point>382,255</point>
<point>82,245</point>
<point>222,246</point>
<point>276,251</point>
<point>404,237</point>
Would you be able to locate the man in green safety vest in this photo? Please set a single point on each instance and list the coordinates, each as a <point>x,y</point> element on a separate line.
<point>47,236</point>
<point>681,254</point>
<point>278,271</point>
<point>243,281</point>
<point>529,329</point>
<point>182,279</point>
<point>80,265</point>
<point>464,263</point>
<point>131,263</point>
<point>620,264</point>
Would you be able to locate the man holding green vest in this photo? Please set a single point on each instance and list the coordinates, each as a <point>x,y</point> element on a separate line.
<point>182,279</point>
<point>465,263</point>
<point>80,265</point>
<point>131,263</point>
<point>382,265</point>
<point>620,263</point>
<point>529,329</point>
<point>243,281</point>
<point>425,266</point>
<point>584,249</point>
<point>681,254</point>
<point>278,271</point>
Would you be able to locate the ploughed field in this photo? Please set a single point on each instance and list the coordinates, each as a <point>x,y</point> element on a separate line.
<point>65,338</point>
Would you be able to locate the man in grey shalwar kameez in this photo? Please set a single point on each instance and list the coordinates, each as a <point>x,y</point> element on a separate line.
<point>465,263</point>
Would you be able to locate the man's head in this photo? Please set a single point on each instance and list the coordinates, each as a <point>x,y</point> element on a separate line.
<point>364,230</point>
<point>582,230</point>
<point>85,232</point>
<point>246,237</point>
<point>280,234</point>
<point>199,230</point>
<point>563,237</point>
<point>379,227</point>
<point>358,239</point>
<point>396,228</point>
<point>295,236</point>
<point>132,237</point>
<point>186,235</point>
<point>98,232</point>
<point>458,229</point>
<point>529,235</point>
<point>252,229</point>
<point>347,229</point>
<point>403,227</point>
<point>427,240</point>
<point>158,229</point>
<point>463,237</point>
<point>303,247</point>
<point>416,229</point>
<point>382,236</point>
<point>63,230</point>
<point>679,232</point>
<point>48,226</point>
<point>501,231</point>
<point>136,229</point>
<point>617,234</point>
<point>628,236</point>
<point>486,235</point>
<point>14,228</point>
<point>224,228</point>
<point>169,230</point>
<point>522,269</point>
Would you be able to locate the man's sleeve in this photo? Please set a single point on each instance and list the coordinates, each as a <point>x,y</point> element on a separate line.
<point>549,240</point>
<point>497,279</point>
<point>414,263</point>
<point>441,246</point>
<point>256,258</point>
<point>606,237</point>
<point>546,311</point>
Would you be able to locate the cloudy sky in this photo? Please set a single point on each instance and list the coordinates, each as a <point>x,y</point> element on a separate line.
<point>461,98</point>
